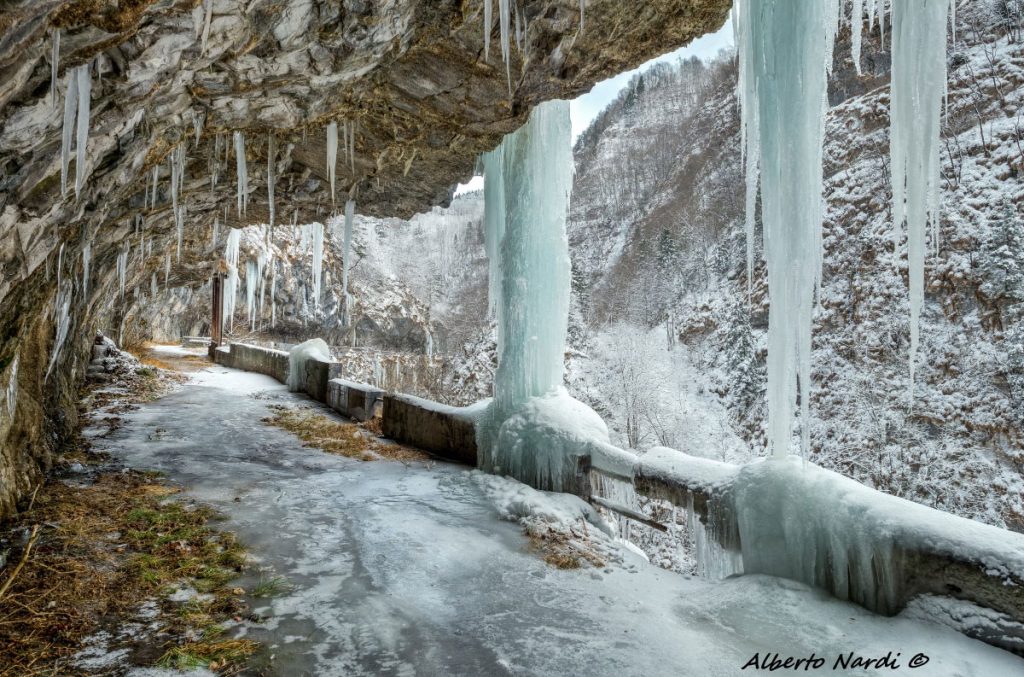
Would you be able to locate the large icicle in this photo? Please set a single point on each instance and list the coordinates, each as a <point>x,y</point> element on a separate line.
<point>242,173</point>
<point>122,270</point>
<point>251,284</point>
<point>918,85</point>
<point>785,51</point>
<point>62,322</point>
<point>84,75</point>
<point>70,109</point>
<point>856,26</point>
<point>332,156</point>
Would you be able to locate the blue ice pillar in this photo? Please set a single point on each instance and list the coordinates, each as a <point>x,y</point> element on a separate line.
<point>532,430</point>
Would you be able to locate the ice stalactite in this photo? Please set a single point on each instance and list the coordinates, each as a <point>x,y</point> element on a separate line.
<point>915,110</point>
<point>251,283</point>
<point>156,184</point>
<point>207,20</point>
<point>198,120</point>
<point>785,52</point>
<point>122,270</point>
<point>332,156</point>
<point>271,177</point>
<point>167,269</point>
<point>242,173</point>
<point>346,254</point>
<point>231,278</point>
<point>430,345</point>
<point>54,65</point>
<point>215,233</point>
<point>11,392</point>
<point>86,259</point>
<point>494,223</point>
<point>856,26</point>
<point>180,227</point>
<point>317,231</point>
<point>70,110</point>
<point>504,22</point>
<point>153,288</point>
<point>84,75</point>
<point>61,321</point>
<point>273,293</point>
<point>488,27</point>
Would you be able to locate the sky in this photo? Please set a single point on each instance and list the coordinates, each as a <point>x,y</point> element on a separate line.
<point>583,109</point>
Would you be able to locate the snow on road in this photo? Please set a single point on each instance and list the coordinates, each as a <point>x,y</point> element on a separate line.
<point>410,569</point>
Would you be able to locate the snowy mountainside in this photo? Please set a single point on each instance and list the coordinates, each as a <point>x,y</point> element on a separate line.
<point>679,265</point>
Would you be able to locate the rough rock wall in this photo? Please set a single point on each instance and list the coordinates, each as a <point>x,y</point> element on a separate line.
<point>409,75</point>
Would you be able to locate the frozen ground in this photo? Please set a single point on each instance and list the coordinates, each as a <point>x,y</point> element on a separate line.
<point>409,569</point>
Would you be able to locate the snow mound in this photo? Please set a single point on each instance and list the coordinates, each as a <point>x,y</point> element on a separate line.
<point>316,349</point>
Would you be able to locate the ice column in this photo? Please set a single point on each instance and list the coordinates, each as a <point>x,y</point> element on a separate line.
<point>318,260</point>
<point>271,178</point>
<point>537,169</point>
<point>242,173</point>
<point>350,210</point>
<point>86,257</point>
<point>84,101</point>
<point>785,51</point>
<point>231,279</point>
<point>918,85</point>
<point>70,109</point>
<point>494,223</point>
<point>332,156</point>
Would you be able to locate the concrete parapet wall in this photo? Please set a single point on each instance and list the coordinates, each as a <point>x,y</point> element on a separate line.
<point>273,363</point>
<point>355,400</point>
<point>449,432</point>
<point>318,375</point>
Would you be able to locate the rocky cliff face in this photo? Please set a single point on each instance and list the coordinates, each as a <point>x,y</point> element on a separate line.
<point>409,77</point>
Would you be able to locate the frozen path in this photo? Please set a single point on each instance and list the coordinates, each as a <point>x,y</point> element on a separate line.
<point>407,570</point>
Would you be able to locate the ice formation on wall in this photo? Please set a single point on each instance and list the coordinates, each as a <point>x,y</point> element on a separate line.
<point>231,278</point>
<point>273,293</point>
<point>153,286</point>
<point>297,358</point>
<point>167,268</point>
<point>918,85</point>
<point>332,156</point>
<point>215,233</point>
<point>785,50</point>
<point>242,173</point>
<point>11,392</point>
<point>251,281</point>
<point>61,321</point>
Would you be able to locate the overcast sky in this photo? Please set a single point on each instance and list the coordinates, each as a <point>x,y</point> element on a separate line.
<point>585,108</point>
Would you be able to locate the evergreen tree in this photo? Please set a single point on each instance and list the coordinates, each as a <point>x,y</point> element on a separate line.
<point>1002,259</point>
<point>746,373</point>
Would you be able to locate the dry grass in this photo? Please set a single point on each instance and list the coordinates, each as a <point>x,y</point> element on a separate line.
<point>339,437</point>
<point>103,550</point>
<point>564,550</point>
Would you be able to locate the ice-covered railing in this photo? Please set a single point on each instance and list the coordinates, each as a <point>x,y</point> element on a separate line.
<point>793,519</point>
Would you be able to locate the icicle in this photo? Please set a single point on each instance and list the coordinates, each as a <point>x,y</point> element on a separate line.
<point>352,146</point>
<point>60,260</point>
<point>583,7</point>
<point>494,223</point>
<point>122,271</point>
<point>785,52</point>
<point>167,269</point>
<point>251,281</point>
<point>242,173</point>
<point>271,165</point>
<point>350,210</point>
<point>430,345</point>
<point>180,219</point>
<point>231,279</point>
<point>216,232</point>
<point>156,184</point>
<point>318,260</point>
<point>488,26</point>
<point>153,286</point>
<point>273,293</point>
<point>918,84</point>
<point>82,141</point>
<point>856,24</point>
<point>86,257</point>
<point>332,156</point>
<point>70,109</point>
<point>198,118</point>
<point>54,63</point>
<point>208,4</point>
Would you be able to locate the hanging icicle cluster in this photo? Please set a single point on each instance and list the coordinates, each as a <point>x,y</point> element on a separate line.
<point>77,102</point>
<point>510,18</point>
